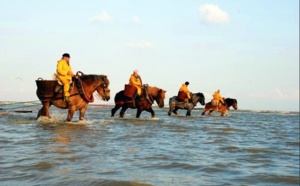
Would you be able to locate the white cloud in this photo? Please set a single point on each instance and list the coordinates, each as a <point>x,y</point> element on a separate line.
<point>136,20</point>
<point>139,45</point>
<point>210,13</point>
<point>104,17</point>
<point>286,94</point>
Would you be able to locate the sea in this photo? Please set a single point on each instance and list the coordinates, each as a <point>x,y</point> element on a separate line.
<point>246,147</point>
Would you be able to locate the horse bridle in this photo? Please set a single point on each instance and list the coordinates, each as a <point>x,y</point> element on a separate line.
<point>159,95</point>
<point>103,85</point>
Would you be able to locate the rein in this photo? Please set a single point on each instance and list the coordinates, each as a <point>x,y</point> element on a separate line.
<point>148,97</point>
<point>81,91</point>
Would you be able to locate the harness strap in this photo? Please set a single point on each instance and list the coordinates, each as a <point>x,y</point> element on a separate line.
<point>148,97</point>
<point>81,90</point>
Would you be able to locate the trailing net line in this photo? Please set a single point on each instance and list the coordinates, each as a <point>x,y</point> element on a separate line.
<point>32,104</point>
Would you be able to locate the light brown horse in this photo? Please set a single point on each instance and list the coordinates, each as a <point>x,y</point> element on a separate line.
<point>81,94</point>
<point>221,108</point>
<point>149,95</point>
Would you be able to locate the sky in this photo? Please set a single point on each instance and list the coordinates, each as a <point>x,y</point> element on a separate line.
<point>248,49</point>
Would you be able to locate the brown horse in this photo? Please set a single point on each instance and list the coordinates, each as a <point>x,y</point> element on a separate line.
<point>221,108</point>
<point>149,95</point>
<point>81,94</point>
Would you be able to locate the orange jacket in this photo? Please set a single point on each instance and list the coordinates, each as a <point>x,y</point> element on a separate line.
<point>184,88</point>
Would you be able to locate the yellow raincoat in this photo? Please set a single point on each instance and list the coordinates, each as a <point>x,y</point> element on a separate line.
<point>217,96</point>
<point>62,69</point>
<point>137,82</point>
<point>185,89</point>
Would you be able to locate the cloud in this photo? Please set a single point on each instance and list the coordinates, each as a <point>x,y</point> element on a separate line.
<point>285,94</point>
<point>104,17</point>
<point>136,20</point>
<point>212,14</point>
<point>139,45</point>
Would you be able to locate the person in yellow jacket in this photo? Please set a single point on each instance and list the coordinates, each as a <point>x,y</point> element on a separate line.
<point>65,73</point>
<point>217,96</point>
<point>184,88</point>
<point>136,80</point>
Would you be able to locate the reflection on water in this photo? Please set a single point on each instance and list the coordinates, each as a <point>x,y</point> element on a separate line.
<point>244,148</point>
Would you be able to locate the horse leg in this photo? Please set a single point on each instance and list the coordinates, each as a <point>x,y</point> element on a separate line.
<point>170,110</point>
<point>224,113</point>
<point>114,110</point>
<point>152,112</point>
<point>138,113</point>
<point>204,111</point>
<point>82,112</point>
<point>188,112</point>
<point>122,112</point>
<point>44,111</point>
<point>175,111</point>
<point>171,107</point>
<point>71,111</point>
<point>41,112</point>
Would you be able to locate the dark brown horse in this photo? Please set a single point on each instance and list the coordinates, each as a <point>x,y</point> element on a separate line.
<point>81,94</point>
<point>221,108</point>
<point>149,95</point>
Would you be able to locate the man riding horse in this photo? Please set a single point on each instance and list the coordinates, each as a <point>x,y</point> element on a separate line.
<point>184,93</point>
<point>136,81</point>
<point>217,98</point>
<point>65,74</point>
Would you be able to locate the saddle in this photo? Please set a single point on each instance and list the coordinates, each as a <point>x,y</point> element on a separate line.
<point>59,87</point>
<point>216,103</point>
<point>182,97</point>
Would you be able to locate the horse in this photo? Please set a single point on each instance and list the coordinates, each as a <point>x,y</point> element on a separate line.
<point>50,93</point>
<point>221,108</point>
<point>174,105</point>
<point>149,95</point>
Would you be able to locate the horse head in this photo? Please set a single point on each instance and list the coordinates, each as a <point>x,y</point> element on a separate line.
<point>158,95</point>
<point>200,98</point>
<point>103,88</point>
<point>231,102</point>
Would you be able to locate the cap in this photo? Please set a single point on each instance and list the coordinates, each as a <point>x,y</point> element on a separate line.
<point>187,83</point>
<point>66,55</point>
<point>135,71</point>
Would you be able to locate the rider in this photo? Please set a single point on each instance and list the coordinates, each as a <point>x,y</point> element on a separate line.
<point>184,88</point>
<point>217,96</point>
<point>136,80</point>
<point>65,74</point>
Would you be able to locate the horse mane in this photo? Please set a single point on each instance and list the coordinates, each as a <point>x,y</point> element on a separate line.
<point>95,77</point>
<point>151,90</point>
<point>199,94</point>
<point>230,101</point>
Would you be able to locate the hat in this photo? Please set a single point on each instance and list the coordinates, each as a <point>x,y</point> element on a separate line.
<point>66,55</point>
<point>135,71</point>
<point>187,83</point>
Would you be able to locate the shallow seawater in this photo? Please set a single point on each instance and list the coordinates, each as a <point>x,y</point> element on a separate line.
<point>243,148</point>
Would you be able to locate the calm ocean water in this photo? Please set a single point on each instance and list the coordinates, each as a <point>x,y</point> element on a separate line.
<point>243,148</point>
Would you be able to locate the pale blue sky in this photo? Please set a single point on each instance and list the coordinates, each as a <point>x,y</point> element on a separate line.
<point>248,49</point>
